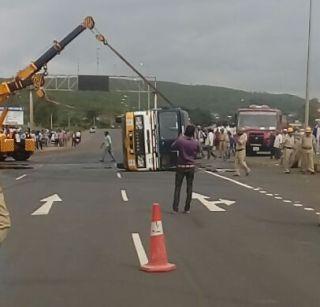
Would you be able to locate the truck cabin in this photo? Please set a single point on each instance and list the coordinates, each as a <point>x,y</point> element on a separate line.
<point>259,122</point>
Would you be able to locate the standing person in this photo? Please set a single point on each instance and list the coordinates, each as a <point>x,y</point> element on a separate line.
<point>73,139</point>
<point>232,144</point>
<point>56,138</point>
<point>272,139</point>
<point>210,144</point>
<point>308,146</point>
<point>240,156</point>
<point>222,144</point>
<point>288,146</point>
<point>187,149</point>
<point>216,138</point>
<point>60,138</point>
<point>201,138</point>
<point>4,219</point>
<point>277,145</point>
<point>78,137</point>
<point>107,144</point>
<point>316,133</point>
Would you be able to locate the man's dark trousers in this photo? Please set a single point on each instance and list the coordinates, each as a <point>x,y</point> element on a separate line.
<point>180,174</point>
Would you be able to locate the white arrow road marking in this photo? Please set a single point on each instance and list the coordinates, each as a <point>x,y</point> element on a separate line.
<point>212,205</point>
<point>22,176</point>
<point>143,259</point>
<point>226,201</point>
<point>119,175</point>
<point>45,208</point>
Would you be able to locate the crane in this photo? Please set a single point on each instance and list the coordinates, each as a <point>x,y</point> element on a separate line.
<point>30,75</point>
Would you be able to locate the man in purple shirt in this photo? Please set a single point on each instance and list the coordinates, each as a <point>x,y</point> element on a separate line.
<point>187,149</point>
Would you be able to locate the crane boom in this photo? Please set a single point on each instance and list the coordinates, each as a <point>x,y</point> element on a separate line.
<point>28,75</point>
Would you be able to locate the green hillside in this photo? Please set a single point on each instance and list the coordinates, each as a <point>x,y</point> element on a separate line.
<point>201,102</point>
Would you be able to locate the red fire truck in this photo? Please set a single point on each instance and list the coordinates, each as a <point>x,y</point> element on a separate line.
<point>259,122</point>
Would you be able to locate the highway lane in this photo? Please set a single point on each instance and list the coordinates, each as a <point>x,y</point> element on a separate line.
<point>259,252</point>
<point>268,176</point>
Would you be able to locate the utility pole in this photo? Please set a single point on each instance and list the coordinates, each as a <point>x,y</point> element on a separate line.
<point>98,59</point>
<point>155,95</point>
<point>307,103</point>
<point>69,124</point>
<point>51,121</point>
<point>31,109</point>
<point>139,96</point>
<point>148,97</point>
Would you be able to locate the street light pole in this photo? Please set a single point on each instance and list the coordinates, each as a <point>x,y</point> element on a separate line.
<point>148,97</point>
<point>307,104</point>
<point>51,121</point>
<point>139,95</point>
<point>69,122</point>
<point>155,104</point>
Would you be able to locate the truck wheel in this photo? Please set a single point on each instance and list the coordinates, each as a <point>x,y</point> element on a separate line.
<point>21,155</point>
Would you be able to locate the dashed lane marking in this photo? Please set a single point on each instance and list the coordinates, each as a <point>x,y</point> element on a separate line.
<point>119,175</point>
<point>143,259</point>
<point>124,195</point>
<point>308,209</point>
<point>260,190</point>
<point>298,205</point>
<point>22,176</point>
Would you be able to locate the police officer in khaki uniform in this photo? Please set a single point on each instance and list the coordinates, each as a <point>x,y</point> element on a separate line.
<point>308,146</point>
<point>240,156</point>
<point>222,144</point>
<point>296,157</point>
<point>4,219</point>
<point>288,146</point>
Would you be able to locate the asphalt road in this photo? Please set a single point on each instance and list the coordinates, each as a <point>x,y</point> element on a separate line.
<point>263,250</point>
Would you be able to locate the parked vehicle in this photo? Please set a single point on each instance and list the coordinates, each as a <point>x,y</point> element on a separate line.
<point>259,122</point>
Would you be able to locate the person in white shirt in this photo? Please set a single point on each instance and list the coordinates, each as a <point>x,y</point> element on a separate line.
<point>210,143</point>
<point>277,145</point>
<point>107,147</point>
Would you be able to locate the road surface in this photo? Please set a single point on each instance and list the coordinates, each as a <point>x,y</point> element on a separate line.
<point>73,218</point>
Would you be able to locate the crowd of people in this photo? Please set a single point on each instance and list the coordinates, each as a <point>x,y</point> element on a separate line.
<point>216,142</point>
<point>44,137</point>
<point>293,147</point>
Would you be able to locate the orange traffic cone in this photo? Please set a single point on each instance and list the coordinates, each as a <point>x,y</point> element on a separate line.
<point>158,259</point>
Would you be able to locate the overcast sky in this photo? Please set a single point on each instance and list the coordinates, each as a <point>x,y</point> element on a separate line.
<point>255,45</point>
